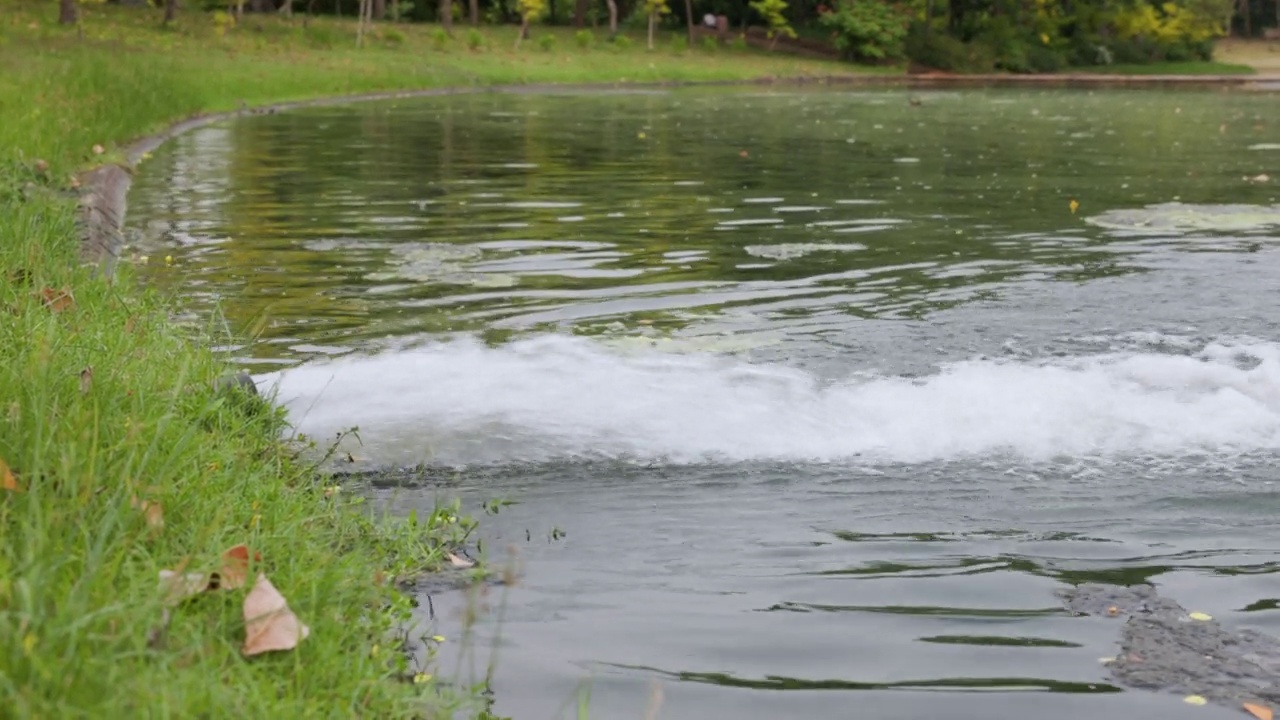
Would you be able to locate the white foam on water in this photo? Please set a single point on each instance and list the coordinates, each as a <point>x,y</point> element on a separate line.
<point>559,397</point>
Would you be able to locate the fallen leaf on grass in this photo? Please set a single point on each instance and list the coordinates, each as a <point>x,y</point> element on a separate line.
<point>58,300</point>
<point>7,479</point>
<point>177,586</point>
<point>152,510</point>
<point>1262,712</point>
<point>269,624</point>
<point>459,562</point>
<point>235,569</point>
<point>86,379</point>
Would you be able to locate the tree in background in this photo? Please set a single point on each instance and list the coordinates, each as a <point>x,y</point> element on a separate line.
<point>530,10</point>
<point>68,13</point>
<point>772,12</point>
<point>655,9</point>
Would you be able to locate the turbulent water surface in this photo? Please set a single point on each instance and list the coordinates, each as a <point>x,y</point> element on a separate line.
<point>809,400</point>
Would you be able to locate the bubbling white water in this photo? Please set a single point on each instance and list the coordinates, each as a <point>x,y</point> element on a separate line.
<point>557,397</point>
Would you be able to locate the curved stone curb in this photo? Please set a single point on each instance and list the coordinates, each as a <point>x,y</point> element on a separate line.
<point>1163,647</point>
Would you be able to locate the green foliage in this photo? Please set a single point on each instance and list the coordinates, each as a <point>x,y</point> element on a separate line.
<point>940,51</point>
<point>531,10</point>
<point>620,42</point>
<point>547,43</point>
<point>773,13</point>
<point>739,43</point>
<point>584,39</point>
<point>440,38</point>
<point>868,29</point>
<point>679,44</point>
<point>475,40</point>
<point>393,37</point>
<point>711,44</point>
<point>655,8</point>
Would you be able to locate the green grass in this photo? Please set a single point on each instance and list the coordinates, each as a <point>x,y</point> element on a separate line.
<point>79,561</point>
<point>1173,68</point>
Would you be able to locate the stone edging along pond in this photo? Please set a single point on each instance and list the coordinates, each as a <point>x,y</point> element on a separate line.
<point>104,189</point>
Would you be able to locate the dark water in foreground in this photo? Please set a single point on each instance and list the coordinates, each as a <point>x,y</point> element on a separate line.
<point>809,400</point>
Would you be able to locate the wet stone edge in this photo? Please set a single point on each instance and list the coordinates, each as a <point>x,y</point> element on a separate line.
<point>1164,647</point>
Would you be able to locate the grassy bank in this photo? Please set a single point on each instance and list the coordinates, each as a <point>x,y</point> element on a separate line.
<point>123,460</point>
<point>1174,68</point>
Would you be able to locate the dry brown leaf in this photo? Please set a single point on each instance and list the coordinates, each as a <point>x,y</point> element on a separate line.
<point>130,324</point>
<point>152,510</point>
<point>459,562</point>
<point>269,624</point>
<point>235,569</point>
<point>86,379</point>
<point>58,300</point>
<point>177,586</point>
<point>7,479</point>
<point>1262,712</point>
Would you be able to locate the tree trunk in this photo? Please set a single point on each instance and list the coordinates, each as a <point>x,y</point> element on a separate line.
<point>286,9</point>
<point>580,13</point>
<point>395,10</point>
<point>688,14</point>
<point>652,17</point>
<point>363,11</point>
<point>1247,16</point>
<point>613,17</point>
<point>379,10</point>
<point>475,12</point>
<point>524,31</point>
<point>446,15</point>
<point>170,11</point>
<point>68,13</point>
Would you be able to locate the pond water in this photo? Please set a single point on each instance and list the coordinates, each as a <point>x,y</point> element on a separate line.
<point>809,400</point>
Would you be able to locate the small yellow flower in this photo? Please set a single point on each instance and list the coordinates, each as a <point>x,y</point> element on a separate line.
<point>1202,617</point>
<point>1073,205</point>
<point>438,638</point>
<point>168,259</point>
<point>421,678</point>
<point>1195,700</point>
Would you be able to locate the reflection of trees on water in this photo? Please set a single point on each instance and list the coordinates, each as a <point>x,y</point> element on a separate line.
<point>312,203</point>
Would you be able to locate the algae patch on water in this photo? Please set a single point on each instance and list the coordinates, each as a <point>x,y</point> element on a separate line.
<point>1179,218</point>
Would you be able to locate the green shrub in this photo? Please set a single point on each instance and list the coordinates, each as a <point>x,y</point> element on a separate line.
<point>739,43</point>
<point>475,40</point>
<point>440,38</point>
<point>585,39</point>
<point>868,30</point>
<point>620,42</point>
<point>942,52</point>
<point>679,43</point>
<point>710,43</point>
<point>547,42</point>
<point>1045,59</point>
<point>393,37</point>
